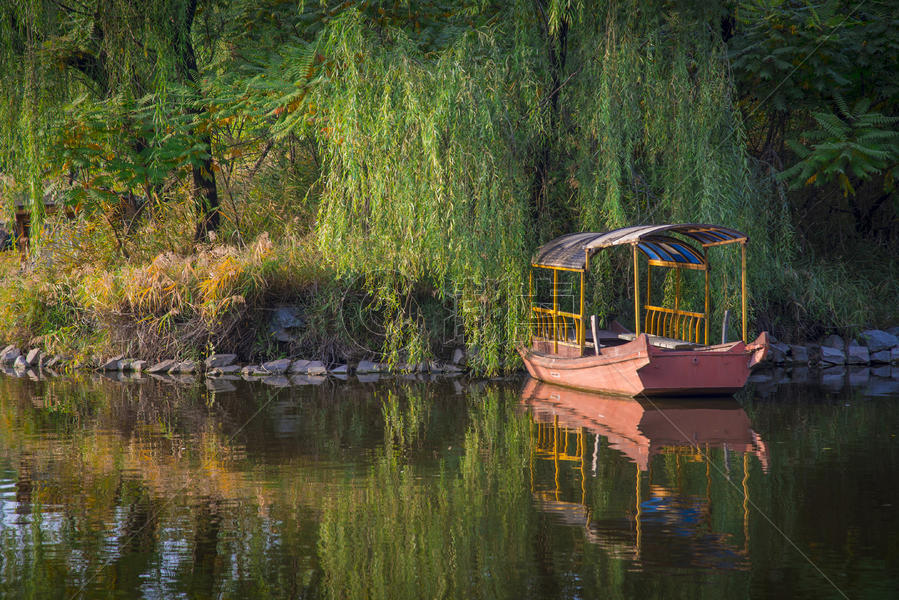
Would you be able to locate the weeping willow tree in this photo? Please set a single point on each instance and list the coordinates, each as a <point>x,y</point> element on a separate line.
<point>445,165</point>
<point>426,177</point>
<point>449,139</point>
<point>104,101</point>
<point>656,138</point>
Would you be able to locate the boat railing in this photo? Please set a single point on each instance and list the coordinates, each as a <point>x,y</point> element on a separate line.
<point>556,326</point>
<point>675,323</point>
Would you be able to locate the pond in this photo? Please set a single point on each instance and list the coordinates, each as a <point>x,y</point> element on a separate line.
<point>405,488</point>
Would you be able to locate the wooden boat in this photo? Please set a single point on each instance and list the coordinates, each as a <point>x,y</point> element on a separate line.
<point>671,355</point>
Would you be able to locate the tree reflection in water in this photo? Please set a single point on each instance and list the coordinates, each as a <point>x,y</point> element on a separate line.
<point>410,489</point>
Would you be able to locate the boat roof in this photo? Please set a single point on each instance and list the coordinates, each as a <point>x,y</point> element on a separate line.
<point>570,251</point>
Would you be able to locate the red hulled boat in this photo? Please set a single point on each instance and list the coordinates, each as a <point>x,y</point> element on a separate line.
<point>671,356</point>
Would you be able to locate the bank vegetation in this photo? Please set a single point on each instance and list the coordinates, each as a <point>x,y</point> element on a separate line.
<point>387,168</point>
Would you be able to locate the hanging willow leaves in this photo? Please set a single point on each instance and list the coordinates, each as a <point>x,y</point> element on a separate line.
<point>430,157</point>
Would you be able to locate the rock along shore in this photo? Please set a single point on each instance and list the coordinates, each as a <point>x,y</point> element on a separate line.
<point>33,363</point>
<point>872,348</point>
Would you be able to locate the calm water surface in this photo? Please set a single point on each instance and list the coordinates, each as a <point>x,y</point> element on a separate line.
<point>452,489</point>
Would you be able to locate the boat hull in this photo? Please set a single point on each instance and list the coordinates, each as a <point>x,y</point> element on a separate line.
<point>638,368</point>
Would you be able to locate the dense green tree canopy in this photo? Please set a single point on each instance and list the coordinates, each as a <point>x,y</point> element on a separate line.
<point>428,147</point>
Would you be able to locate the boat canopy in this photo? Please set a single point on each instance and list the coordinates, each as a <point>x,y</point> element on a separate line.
<point>572,251</point>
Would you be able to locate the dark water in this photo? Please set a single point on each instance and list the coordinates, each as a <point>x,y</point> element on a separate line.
<point>454,489</point>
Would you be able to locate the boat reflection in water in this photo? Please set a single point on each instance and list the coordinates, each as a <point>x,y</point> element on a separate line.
<point>665,515</point>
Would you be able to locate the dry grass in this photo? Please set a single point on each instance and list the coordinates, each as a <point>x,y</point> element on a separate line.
<point>75,300</point>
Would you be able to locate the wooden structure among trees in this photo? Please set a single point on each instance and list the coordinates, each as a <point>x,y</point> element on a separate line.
<point>21,226</point>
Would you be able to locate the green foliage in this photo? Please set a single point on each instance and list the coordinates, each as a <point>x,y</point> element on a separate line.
<point>422,150</point>
<point>423,182</point>
<point>856,144</point>
<point>799,66</point>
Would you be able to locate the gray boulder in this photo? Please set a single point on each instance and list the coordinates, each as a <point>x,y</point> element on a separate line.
<point>34,356</point>
<point>458,356</point>
<point>881,357</point>
<point>799,354</point>
<point>298,366</point>
<point>341,370</point>
<point>367,366</point>
<point>315,367</point>
<point>832,356</point>
<point>9,355</point>
<point>894,356</point>
<point>226,370</point>
<point>216,361</point>
<point>20,364</point>
<point>162,367</point>
<point>834,341</point>
<point>187,367</point>
<point>277,367</point>
<point>877,340</point>
<point>285,323</point>
<point>113,364</point>
<point>778,352</point>
<point>857,355</point>
<point>288,317</point>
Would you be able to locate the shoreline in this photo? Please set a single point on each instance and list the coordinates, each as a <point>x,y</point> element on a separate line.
<point>879,354</point>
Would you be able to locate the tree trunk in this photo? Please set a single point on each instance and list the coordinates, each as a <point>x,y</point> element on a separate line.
<point>206,196</point>
<point>205,189</point>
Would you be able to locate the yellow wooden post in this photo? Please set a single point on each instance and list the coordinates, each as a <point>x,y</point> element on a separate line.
<point>582,339</point>
<point>636,293</point>
<point>743,286</point>
<point>555,310</point>
<point>648,299</point>
<point>706,253</point>
<point>677,317</point>
<point>531,314</point>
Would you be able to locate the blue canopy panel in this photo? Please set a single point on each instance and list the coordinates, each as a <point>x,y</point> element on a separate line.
<point>670,249</point>
<point>571,251</point>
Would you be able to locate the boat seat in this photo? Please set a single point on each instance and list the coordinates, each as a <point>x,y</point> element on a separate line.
<point>662,342</point>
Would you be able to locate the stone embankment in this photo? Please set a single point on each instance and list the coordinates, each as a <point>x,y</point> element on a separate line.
<point>875,349</point>
<point>219,368</point>
<point>872,347</point>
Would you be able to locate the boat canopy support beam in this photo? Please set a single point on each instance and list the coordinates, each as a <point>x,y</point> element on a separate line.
<point>743,289</point>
